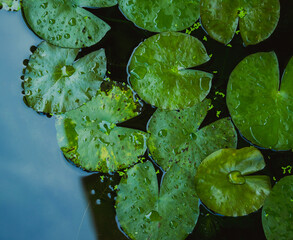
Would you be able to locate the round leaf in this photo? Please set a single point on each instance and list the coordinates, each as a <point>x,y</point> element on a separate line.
<point>253,88</point>
<point>161,15</point>
<point>144,213</point>
<point>158,71</point>
<point>89,137</point>
<point>257,19</point>
<point>55,83</point>
<point>191,144</point>
<point>224,184</point>
<point>64,23</point>
<point>277,218</point>
<point>10,5</point>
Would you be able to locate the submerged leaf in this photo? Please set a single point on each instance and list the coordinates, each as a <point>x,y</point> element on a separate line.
<point>159,71</point>
<point>161,15</point>
<point>65,23</point>
<point>90,138</point>
<point>175,137</point>
<point>257,19</point>
<point>260,108</point>
<point>277,217</point>
<point>55,83</point>
<point>224,184</point>
<point>146,213</point>
<point>10,5</point>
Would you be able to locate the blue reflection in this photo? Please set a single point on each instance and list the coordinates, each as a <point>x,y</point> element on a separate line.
<point>41,196</point>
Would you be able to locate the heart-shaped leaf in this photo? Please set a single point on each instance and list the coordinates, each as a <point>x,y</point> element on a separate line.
<point>175,136</point>
<point>65,23</point>
<point>224,184</point>
<point>144,212</point>
<point>257,19</point>
<point>260,108</point>
<point>158,71</point>
<point>55,83</point>
<point>89,137</point>
<point>161,15</point>
<point>10,5</point>
<point>277,218</point>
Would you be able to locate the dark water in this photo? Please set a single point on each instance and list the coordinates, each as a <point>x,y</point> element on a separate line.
<point>45,197</point>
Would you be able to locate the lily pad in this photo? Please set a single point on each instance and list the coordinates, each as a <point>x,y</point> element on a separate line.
<point>161,15</point>
<point>10,5</point>
<point>277,218</point>
<point>175,136</point>
<point>65,23</point>
<point>260,107</point>
<point>257,19</point>
<point>95,3</point>
<point>225,185</point>
<point>158,71</point>
<point>90,138</point>
<point>144,212</point>
<point>55,83</point>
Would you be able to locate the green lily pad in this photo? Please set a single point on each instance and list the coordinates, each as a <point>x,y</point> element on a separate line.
<point>175,136</point>
<point>257,19</point>
<point>95,3</point>
<point>55,83</point>
<point>224,183</point>
<point>158,71</point>
<point>90,138</point>
<point>277,218</point>
<point>144,212</point>
<point>161,15</point>
<point>65,23</point>
<point>10,5</point>
<point>260,108</point>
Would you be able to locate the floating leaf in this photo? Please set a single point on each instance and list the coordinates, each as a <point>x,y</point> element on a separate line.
<point>159,74</point>
<point>257,19</point>
<point>277,218</point>
<point>65,23</point>
<point>10,5</point>
<point>224,183</point>
<point>95,3</point>
<point>262,109</point>
<point>161,15</point>
<point>90,138</point>
<point>146,213</point>
<point>55,83</point>
<point>175,137</point>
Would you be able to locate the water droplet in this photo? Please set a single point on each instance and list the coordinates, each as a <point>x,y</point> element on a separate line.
<point>72,22</point>
<point>162,133</point>
<point>67,35</point>
<point>44,5</point>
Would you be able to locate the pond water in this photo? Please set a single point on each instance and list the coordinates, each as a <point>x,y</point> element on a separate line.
<point>43,196</point>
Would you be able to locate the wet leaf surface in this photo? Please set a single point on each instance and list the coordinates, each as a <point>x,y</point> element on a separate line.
<point>90,138</point>
<point>65,23</point>
<point>145,212</point>
<point>10,5</point>
<point>225,185</point>
<point>54,82</point>
<point>161,15</point>
<point>257,19</point>
<point>159,71</point>
<point>260,106</point>
<point>277,218</point>
<point>95,3</point>
<point>175,136</point>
